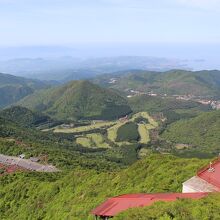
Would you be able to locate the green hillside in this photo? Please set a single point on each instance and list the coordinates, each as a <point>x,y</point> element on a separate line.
<point>13,88</point>
<point>25,117</point>
<point>201,134</point>
<point>62,149</point>
<point>171,108</point>
<point>72,195</point>
<point>76,100</point>
<point>99,159</point>
<point>175,82</point>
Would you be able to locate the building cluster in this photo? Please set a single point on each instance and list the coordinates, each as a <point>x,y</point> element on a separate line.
<point>215,104</point>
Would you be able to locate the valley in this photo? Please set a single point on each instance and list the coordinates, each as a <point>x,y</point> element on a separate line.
<point>103,136</point>
<point>109,110</point>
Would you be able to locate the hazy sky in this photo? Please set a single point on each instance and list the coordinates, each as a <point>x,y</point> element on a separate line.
<point>67,22</point>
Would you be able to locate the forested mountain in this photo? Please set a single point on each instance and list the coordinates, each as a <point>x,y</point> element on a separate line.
<point>201,135</point>
<point>174,82</point>
<point>13,88</point>
<point>25,117</point>
<point>78,99</point>
<point>171,108</point>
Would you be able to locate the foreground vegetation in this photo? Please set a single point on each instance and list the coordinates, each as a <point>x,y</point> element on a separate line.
<point>73,194</point>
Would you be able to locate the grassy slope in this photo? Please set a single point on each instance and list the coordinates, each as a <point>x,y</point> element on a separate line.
<point>93,140</point>
<point>144,133</point>
<point>84,128</point>
<point>108,131</point>
<point>73,195</point>
<point>78,99</point>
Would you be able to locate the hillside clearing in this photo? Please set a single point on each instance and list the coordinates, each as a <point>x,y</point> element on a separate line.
<point>94,125</point>
<point>143,121</point>
<point>144,133</point>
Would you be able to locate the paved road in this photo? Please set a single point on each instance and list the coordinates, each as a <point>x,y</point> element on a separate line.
<point>27,164</point>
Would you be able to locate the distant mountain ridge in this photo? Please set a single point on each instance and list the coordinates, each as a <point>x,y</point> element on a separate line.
<point>13,88</point>
<point>73,68</point>
<point>174,82</point>
<point>78,99</point>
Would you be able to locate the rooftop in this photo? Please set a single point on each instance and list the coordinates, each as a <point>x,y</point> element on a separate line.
<point>115,205</point>
<point>211,173</point>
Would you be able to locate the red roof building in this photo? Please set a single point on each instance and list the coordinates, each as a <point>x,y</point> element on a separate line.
<point>206,180</point>
<point>115,205</point>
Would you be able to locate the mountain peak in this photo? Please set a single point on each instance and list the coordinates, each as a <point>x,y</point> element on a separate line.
<point>78,99</point>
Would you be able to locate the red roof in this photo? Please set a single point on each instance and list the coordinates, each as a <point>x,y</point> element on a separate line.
<point>211,176</point>
<point>115,205</point>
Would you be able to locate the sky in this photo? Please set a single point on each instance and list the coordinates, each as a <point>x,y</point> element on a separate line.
<point>71,22</point>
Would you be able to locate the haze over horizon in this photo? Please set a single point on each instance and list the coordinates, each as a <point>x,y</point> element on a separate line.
<point>177,29</point>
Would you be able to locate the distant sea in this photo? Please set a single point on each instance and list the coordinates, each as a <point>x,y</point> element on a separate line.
<point>196,56</point>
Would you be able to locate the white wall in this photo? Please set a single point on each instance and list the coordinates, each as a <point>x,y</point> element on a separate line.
<point>187,189</point>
